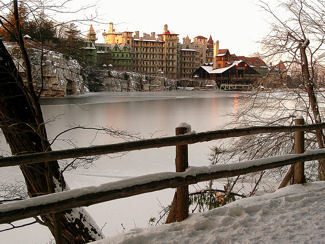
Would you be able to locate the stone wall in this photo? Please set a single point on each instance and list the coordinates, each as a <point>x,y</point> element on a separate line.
<point>61,76</point>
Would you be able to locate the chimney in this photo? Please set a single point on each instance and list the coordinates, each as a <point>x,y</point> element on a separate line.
<point>153,35</point>
<point>111,29</point>
<point>165,28</point>
<point>136,35</point>
<point>215,53</point>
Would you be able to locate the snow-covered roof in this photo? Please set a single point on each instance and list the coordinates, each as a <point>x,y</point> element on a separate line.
<point>210,69</point>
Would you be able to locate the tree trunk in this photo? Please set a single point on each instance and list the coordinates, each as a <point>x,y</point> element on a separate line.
<point>22,124</point>
<point>309,84</point>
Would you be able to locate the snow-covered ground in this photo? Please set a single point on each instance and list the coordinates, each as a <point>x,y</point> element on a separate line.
<point>295,214</point>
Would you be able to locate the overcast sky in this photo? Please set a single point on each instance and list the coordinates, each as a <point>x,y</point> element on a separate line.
<point>237,24</point>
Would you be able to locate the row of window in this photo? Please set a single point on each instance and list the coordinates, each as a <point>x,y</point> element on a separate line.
<point>147,44</point>
<point>189,70</point>
<point>190,65</point>
<point>121,55</point>
<point>147,49</point>
<point>148,56</point>
<point>189,59</point>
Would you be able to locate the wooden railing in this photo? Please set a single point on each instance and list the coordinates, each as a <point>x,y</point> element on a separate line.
<point>184,176</point>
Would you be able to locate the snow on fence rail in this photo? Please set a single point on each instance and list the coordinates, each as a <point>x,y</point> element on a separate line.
<point>151,143</point>
<point>58,202</point>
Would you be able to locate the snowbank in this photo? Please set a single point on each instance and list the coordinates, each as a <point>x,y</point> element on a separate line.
<point>292,214</point>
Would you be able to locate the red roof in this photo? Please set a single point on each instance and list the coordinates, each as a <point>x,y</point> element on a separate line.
<point>210,40</point>
<point>200,37</point>
<point>223,51</point>
<point>254,61</point>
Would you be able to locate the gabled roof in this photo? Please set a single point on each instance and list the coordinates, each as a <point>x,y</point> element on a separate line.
<point>223,52</point>
<point>210,70</point>
<point>253,61</point>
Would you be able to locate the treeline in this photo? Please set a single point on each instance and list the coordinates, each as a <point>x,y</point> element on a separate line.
<point>44,32</point>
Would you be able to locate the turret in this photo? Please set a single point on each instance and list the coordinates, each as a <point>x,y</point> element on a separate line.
<point>210,42</point>
<point>91,36</point>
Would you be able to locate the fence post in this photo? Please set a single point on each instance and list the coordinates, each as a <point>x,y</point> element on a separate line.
<point>180,205</point>
<point>299,145</point>
<point>182,198</point>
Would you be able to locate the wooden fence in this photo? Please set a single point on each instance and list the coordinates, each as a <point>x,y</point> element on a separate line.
<point>184,176</point>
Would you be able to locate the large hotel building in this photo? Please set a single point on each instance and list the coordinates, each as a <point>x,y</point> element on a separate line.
<point>150,53</point>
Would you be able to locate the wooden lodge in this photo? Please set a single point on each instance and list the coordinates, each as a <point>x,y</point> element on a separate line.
<point>238,72</point>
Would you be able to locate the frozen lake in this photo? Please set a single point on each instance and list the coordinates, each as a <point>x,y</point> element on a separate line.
<point>145,114</point>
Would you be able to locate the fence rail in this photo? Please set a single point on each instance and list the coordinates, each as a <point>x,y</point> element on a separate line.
<point>151,143</point>
<point>58,202</point>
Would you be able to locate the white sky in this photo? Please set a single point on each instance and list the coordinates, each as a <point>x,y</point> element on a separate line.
<point>237,24</point>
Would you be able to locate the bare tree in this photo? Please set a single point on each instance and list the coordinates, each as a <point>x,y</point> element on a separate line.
<point>297,36</point>
<point>300,38</point>
<point>22,123</point>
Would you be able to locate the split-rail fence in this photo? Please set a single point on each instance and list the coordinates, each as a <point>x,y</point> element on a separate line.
<point>184,175</point>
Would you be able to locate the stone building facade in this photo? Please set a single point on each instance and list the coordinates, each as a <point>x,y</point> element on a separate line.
<point>200,45</point>
<point>150,54</point>
<point>189,62</point>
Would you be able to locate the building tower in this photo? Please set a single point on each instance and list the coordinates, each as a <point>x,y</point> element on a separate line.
<point>170,40</point>
<point>165,29</point>
<point>215,53</point>
<point>91,36</point>
<point>209,51</point>
<point>111,27</point>
<point>210,43</point>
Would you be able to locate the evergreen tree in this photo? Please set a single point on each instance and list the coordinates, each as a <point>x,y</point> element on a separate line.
<point>41,29</point>
<point>70,44</point>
